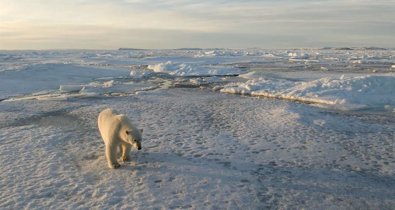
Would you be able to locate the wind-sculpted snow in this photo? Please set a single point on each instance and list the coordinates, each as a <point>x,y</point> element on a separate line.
<point>183,69</point>
<point>355,92</point>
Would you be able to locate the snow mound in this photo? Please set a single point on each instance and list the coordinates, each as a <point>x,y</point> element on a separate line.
<point>294,55</point>
<point>140,74</point>
<point>217,53</point>
<point>358,92</point>
<point>229,53</point>
<point>184,69</point>
<point>70,88</point>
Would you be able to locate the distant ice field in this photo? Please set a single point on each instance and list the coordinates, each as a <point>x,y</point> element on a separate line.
<point>336,79</point>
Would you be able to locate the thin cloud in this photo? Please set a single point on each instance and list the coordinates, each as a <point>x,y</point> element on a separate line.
<point>202,23</point>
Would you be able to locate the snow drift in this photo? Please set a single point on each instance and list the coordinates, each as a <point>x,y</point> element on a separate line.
<point>184,69</point>
<point>368,91</point>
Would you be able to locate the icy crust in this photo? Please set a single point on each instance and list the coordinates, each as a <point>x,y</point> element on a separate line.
<point>358,92</point>
<point>91,90</point>
<point>52,81</point>
<point>50,76</point>
<point>184,69</point>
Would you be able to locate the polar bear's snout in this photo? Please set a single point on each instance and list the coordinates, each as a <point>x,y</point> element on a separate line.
<point>134,138</point>
<point>137,145</point>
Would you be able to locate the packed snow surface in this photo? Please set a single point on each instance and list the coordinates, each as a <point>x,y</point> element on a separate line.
<point>326,140</point>
<point>354,92</point>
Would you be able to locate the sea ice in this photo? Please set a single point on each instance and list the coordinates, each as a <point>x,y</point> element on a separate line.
<point>356,92</point>
<point>184,69</point>
<point>201,149</point>
<point>40,77</point>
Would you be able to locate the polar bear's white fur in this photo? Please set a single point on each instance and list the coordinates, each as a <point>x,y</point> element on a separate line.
<point>118,131</point>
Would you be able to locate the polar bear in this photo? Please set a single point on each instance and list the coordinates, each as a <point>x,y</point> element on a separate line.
<point>118,131</point>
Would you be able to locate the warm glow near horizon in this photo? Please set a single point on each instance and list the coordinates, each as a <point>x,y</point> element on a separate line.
<point>100,24</point>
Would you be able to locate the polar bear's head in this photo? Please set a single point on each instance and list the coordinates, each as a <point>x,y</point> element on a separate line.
<point>134,138</point>
<point>129,133</point>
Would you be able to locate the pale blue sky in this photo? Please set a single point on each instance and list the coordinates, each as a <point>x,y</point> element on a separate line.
<point>110,24</point>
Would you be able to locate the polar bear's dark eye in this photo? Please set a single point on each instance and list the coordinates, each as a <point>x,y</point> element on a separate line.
<point>127,132</point>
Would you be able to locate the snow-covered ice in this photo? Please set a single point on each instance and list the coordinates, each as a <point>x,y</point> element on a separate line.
<point>326,140</point>
<point>183,69</point>
<point>50,76</point>
<point>344,93</point>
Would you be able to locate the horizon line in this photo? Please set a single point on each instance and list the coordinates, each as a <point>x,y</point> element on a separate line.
<point>213,48</point>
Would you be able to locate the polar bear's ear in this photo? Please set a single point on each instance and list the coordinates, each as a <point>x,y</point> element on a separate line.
<point>141,130</point>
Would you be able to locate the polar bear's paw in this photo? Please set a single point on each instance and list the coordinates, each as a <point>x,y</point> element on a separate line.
<point>126,158</point>
<point>115,165</point>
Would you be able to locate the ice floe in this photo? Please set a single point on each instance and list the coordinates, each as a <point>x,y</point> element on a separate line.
<point>355,92</point>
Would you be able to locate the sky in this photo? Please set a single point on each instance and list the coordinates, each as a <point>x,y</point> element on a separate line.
<point>111,24</point>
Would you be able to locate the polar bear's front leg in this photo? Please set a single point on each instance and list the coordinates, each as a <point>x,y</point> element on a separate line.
<point>125,150</point>
<point>111,155</point>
